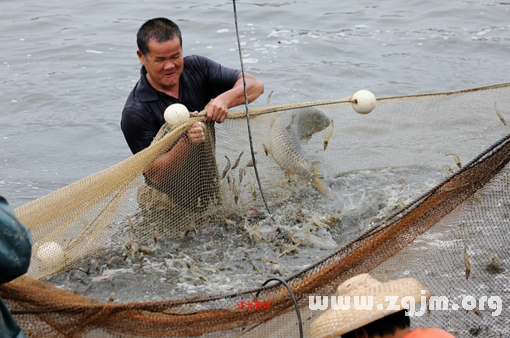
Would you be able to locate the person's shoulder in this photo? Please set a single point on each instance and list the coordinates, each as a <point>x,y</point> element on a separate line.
<point>195,57</point>
<point>134,101</point>
<point>429,332</point>
<point>198,60</point>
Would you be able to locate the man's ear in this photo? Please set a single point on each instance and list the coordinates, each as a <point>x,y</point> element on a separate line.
<point>140,57</point>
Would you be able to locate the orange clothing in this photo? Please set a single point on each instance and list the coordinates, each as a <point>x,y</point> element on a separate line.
<point>428,333</point>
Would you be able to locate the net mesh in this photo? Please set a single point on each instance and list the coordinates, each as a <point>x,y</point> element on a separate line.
<point>417,188</point>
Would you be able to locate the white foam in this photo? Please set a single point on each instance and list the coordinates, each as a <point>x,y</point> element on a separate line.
<point>250,60</point>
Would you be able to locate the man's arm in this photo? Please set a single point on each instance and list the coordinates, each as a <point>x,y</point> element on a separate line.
<point>171,162</point>
<point>15,244</point>
<point>217,108</point>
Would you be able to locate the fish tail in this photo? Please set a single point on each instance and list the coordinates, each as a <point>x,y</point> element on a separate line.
<point>317,183</point>
<point>320,186</point>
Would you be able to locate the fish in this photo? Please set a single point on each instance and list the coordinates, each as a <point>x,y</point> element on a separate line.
<point>333,220</point>
<point>266,149</point>
<point>234,190</point>
<point>131,227</point>
<point>192,226</point>
<point>145,249</point>
<point>447,169</point>
<point>285,181</point>
<point>290,249</point>
<point>299,215</point>
<point>102,278</point>
<point>269,97</point>
<point>319,223</point>
<point>229,222</point>
<point>328,135</point>
<point>498,112</point>
<point>237,161</point>
<point>195,272</point>
<point>269,261</point>
<point>401,203</point>
<point>493,268</point>
<point>255,268</point>
<point>253,191</point>
<point>456,159</point>
<point>289,130</point>
<point>242,172</point>
<point>467,263</point>
<point>227,168</point>
<point>133,248</point>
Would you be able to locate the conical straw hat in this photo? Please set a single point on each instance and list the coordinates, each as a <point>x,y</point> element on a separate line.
<point>334,323</point>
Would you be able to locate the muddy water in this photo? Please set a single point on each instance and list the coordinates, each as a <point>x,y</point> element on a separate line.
<point>236,254</point>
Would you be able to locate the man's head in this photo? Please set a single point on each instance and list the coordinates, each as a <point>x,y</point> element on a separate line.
<point>159,30</point>
<point>160,52</point>
<point>386,326</point>
<point>384,315</point>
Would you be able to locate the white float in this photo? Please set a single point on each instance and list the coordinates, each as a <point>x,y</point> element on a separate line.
<point>175,114</point>
<point>363,101</point>
<point>50,254</point>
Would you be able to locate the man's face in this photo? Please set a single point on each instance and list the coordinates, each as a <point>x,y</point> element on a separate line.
<point>164,64</point>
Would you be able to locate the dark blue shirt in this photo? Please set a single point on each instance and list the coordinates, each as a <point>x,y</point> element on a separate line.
<point>15,252</point>
<point>201,81</point>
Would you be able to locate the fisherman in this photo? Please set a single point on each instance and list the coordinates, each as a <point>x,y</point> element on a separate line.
<point>167,77</point>
<point>378,322</point>
<point>15,252</point>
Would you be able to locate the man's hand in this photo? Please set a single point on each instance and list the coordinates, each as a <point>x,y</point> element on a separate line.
<point>196,134</point>
<point>217,110</point>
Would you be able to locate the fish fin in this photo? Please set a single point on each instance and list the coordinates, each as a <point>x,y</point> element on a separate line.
<point>289,174</point>
<point>315,170</point>
<point>267,149</point>
<point>305,139</point>
<point>317,183</point>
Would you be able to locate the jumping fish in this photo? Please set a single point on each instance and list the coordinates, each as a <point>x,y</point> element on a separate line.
<point>237,161</point>
<point>288,132</point>
<point>499,114</point>
<point>328,135</point>
<point>227,168</point>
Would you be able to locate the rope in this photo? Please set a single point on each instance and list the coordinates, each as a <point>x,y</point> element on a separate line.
<point>296,306</point>
<point>248,116</point>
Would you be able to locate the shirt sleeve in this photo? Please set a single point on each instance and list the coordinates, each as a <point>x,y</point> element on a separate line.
<point>219,78</point>
<point>138,128</point>
<point>15,244</point>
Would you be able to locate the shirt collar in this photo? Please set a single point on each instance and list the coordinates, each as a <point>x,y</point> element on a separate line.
<point>147,93</point>
<point>144,90</point>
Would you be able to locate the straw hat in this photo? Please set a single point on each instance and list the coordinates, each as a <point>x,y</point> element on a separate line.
<point>334,323</point>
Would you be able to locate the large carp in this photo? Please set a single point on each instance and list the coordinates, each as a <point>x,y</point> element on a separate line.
<point>289,130</point>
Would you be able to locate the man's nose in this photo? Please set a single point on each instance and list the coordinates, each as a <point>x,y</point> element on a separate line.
<point>168,64</point>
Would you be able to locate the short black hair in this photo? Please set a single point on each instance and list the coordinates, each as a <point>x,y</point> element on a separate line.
<point>159,29</point>
<point>383,326</point>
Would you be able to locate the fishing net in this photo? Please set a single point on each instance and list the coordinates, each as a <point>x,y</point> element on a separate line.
<point>417,188</point>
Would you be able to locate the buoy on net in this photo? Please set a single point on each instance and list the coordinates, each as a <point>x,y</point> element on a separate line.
<point>363,101</point>
<point>50,254</point>
<point>175,114</point>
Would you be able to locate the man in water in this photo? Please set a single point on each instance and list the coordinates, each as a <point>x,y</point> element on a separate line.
<point>167,77</point>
